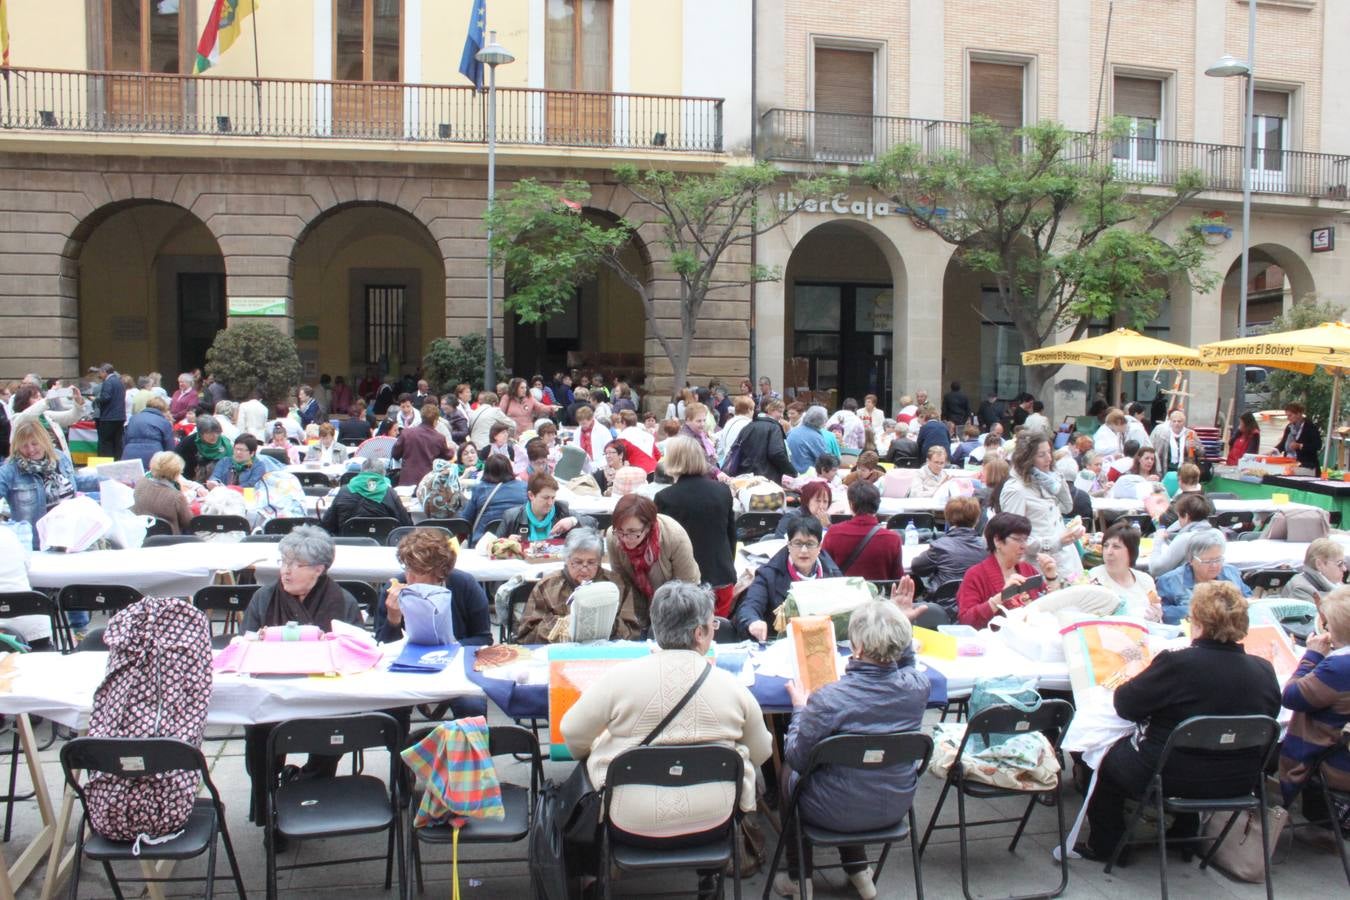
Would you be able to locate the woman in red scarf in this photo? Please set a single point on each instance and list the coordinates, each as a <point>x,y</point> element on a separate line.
<point>1247,439</point>
<point>647,549</point>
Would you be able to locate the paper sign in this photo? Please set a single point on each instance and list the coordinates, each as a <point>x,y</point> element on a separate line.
<point>1271,643</point>
<point>1104,655</point>
<point>572,669</point>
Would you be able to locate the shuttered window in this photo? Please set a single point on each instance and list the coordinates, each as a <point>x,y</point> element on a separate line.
<point>996,92</point>
<point>1138,98</point>
<point>844,81</point>
<point>1271,103</point>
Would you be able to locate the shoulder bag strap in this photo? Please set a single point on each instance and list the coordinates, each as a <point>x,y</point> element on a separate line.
<point>675,710</point>
<point>858,550</point>
<point>482,509</point>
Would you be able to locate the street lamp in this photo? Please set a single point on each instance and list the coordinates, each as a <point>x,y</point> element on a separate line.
<point>1228,67</point>
<point>492,56</point>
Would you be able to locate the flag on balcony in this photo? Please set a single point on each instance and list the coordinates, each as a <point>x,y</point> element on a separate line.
<point>222,30</point>
<point>469,66</point>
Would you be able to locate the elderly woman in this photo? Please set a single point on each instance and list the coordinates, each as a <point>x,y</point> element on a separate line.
<point>704,509</point>
<point>494,496</point>
<point>545,618</point>
<point>1036,491</point>
<point>149,432</point>
<point>1317,693</point>
<point>881,692</point>
<point>1109,441</point>
<point>956,551</point>
<point>1169,547</point>
<point>1120,551</point>
<point>807,439</point>
<point>303,593</point>
<point>202,450</point>
<point>647,549</point>
<point>932,474</point>
<point>542,517</point>
<point>428,558</point>
<point>185,398</point>
<point>1204,563</point>
<point>619,710</point>
<point>327,452</point>
<point>369,495</point>
<point>816,498</point>
<point>981,595</point>
<point>802,559</point>
<point>866,468</point>
<point>160,495</point>
<point>1214,676</point>
<point>1323,571</point>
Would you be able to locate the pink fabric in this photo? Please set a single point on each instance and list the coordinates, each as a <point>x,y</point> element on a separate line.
<point>333,655</point>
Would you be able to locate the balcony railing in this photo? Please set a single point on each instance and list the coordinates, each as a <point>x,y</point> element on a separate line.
<point>805,136</point>
<point>54,100</point>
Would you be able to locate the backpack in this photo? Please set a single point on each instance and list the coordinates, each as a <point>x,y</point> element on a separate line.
<point>439,491</point>
<point>158,684</point>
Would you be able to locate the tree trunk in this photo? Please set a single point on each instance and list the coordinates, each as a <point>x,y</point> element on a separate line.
<point>1037,378</point>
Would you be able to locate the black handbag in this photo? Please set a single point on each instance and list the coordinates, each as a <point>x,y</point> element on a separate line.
<point>548,868</point>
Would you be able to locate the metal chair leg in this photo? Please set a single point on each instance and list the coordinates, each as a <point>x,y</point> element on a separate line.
<point>937,811</point>
<point>1021,825</point>
<point>914,853</point>
<point>210,888</point>
<point>1162,837</point>
<point>961,837</point>
<point>1336,829</point>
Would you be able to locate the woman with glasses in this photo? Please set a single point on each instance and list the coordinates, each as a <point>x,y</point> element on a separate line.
<point>1204,563</point>
<point>981,595</point>
<point>1170,547</point>
<point>801,560</point>
<point>647,549</point>
<point>545,619</point>
<point>1323,571</point>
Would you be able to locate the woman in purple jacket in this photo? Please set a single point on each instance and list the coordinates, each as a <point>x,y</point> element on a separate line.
<point>881,693</point>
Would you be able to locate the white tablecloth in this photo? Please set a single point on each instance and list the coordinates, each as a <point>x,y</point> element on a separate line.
<point>334,471</point>
<point>1258,506</point>
<point>1266,554</point>
<point>61,688</point>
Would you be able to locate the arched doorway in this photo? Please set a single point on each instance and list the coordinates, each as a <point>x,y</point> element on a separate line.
<point>151,288</point>
<point>602,327</point>
<point>1277,278</point>
<point>981,347</point>
<point>369,287</point>
<point>840,309</point>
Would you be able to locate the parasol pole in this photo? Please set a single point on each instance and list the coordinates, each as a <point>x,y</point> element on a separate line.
<point>1331,417</point>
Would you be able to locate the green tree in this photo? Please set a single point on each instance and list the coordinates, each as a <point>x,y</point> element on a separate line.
<point>452,361</point>
<point>1313,391</point>
<point>1044,213</point>
<point>549,248</point>
<point>255,356</point>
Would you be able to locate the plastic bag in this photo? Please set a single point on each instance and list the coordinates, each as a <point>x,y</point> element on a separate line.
<point>127,529</point>
<point>73,525</point>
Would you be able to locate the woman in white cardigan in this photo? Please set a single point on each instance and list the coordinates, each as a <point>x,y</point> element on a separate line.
<point>620,710</point>
<point>1036,491</point>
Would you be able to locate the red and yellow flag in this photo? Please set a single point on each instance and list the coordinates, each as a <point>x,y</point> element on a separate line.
<point>222,30</point>
<point>4,33</point>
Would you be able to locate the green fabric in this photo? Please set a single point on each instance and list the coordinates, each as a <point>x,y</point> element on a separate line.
<point>212,452</point>
<point>1247,490</point>
<point>370,485</point>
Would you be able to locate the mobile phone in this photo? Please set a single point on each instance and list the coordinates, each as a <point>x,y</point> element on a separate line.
<point>1031,584</point>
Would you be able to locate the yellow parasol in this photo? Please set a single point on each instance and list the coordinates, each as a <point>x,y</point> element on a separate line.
<point>1303,351</point>
<point>1124,349</point>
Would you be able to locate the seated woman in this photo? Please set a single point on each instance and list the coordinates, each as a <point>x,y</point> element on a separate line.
<point>815,499</point>
<point>204,448</point>
<point>619,710</point>
<point>543,516</point>
<point>615,455</point>
<point>955,551</point>
<point>881,692</point>
<point>1212,677</point>
<point>501,442</point>
<point>1323,571</point>
<point>800,560</point>
<point>160,495</point>
<point>369,495</point>
<point>863,546</point>
<point>1090,478</point>
<point>980,596</point>
<point>494,496</point>
<point>303,593</point>
<point>469,462</point>
<point>359,426</point>
<point>244,467</point>
<point>1144,464</point>
<point>646,549</point>
<point>867,468</point>
<point>327,452</point>
<point>281,441</point>
<point>1204,563</point>
<point>545,618</point>
<point>1317,693</point>
<point>1170,546</point>
<point>1120,551</point>
<point>931,475</point>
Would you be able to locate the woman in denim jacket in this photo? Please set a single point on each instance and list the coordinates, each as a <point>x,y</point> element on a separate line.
<point>35,477</point>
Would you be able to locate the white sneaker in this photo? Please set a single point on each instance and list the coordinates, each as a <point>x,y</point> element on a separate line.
<point>784,886</point>
<point>862,883</point>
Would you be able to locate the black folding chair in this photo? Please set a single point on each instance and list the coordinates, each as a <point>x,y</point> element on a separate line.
<point>933,617</point>
<point>31,603</point>
<point>313,479</point>
<point>674,766</point>
<point>159,526</point>
<point>376,528</point>
<point>135,758</point>
<point>91,598</point>
<point>285,525</point>
<point>460,528</point>
<point>924,523</point>
<point>945,597</point>
<point>355,542</point>
<point>219,524</point>
<point>277,453</point>
<point>1209,736</point>
<point>754,526</point>
<point>403,530</point>
<point>1334,800</point>
<point>170,540</point>
<point>515,605</point>
<point>518,800</point>
<point>884,757</point>
<point>367,597</point>
<point>1142,522</point>
<point>602,521</point>
<point>231,599</point>
<point>493,527</point>
<point>343,805</point>
<point>1234,522</point>
<point>1052,719</point>
<point>1268,581</point>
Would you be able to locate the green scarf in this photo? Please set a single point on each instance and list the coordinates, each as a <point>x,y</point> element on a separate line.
<point>370,485</point>
<point>212,452</point>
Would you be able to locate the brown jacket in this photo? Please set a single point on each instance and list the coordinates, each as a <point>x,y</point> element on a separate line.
<point>153,497</point>
<point>548,603</point>
<point>676,563</point>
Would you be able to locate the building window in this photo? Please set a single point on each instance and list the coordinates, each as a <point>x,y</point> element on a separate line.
<point>997,92</point>
<point>843,103</point>
<point>369,40</point>
<point>386,323</point>
<point>577,45</point>
<point>1270,120</point>
<point>1138,100</point>
<point>143,36</point>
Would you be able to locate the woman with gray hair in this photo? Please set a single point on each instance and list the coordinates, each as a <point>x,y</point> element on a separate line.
<point>808,439</point>
<point>616,714</point>
<point>545,617</point>
<point>1323,571</point>
<point>1204,563</point>
<point>202,449</point>
<point>881,693</point>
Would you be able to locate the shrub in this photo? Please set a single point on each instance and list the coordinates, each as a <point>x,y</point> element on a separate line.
<point>452,361</point>
<point>1313,391</point>
<point>255,356</point>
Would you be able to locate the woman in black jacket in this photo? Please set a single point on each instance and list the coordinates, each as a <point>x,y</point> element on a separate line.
<point>704,508</point>
<point>368,495</point>
<point>802,559</point>
<point>959,548</point>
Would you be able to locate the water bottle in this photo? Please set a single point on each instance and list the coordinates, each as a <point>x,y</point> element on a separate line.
<point>911,535</point>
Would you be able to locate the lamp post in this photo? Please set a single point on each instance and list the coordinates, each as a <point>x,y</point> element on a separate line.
<point>1228,67</point>
<point>492,56</point>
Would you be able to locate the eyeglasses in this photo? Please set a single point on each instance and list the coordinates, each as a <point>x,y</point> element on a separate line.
<point>630,533</point>
<point>713,625</point>
<point>584,563</point>
<point>1019,538</point>
<point>1216,561</point>
<point>804,546</point>
<point>290,562</point>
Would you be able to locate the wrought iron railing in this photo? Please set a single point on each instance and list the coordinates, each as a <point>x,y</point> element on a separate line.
<point>56,100</point>
<point>805,136</point>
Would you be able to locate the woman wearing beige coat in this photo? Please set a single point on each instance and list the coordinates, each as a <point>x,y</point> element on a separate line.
<point>647,549</point>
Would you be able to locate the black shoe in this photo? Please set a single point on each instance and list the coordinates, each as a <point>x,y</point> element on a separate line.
<point>280,843</point>
<point>1086,851</point>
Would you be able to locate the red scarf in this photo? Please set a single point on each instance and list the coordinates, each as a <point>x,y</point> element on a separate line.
<point>794,575</point>
<point>586,438</point>
<point>643,557</point>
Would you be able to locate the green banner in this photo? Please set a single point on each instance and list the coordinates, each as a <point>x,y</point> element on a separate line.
<point>256,306</point>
